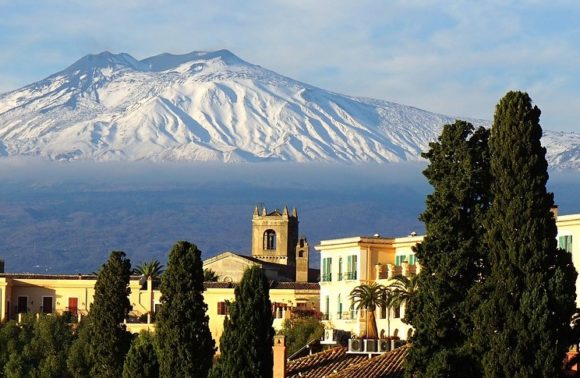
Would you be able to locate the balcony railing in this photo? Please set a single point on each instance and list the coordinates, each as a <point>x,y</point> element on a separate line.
<point>349,275</point>
<point>326,277</point>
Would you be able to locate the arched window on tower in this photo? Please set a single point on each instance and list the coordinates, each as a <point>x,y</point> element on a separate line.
<point>270,239</point>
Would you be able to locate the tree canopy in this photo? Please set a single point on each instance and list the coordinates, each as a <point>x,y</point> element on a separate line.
<point>108,340</point>
<point>246,344</point>
<point>451,256</point>
<point>522,327</point>
<point>186,347</point>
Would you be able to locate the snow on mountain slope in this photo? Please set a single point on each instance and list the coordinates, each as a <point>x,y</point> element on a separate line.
<point>209,106</point>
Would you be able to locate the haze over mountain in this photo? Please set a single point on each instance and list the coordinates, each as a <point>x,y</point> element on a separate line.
<point>213,106</point>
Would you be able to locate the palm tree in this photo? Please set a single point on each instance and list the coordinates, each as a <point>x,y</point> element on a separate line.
<point>149,269</point>
<point>368,297</point>
<point>390,301</point>
<point>209,275</point>
<point>403,290</point>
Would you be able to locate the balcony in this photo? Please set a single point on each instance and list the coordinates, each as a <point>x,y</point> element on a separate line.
<point>350,275</point>
<point>326,277</point>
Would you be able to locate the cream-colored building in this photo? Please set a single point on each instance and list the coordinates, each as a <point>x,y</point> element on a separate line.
<point>286,297</point>
<point>568,239</point>
<point>348,262</point>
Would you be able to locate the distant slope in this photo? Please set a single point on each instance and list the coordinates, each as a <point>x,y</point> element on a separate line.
<point>210,106</point>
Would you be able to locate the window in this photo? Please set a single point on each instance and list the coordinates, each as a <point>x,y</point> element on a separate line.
<point>351,267</point>
<point>384,308</point>
<point>397,314</point>
<point>339,310</point>
<point>73,305</point>
<point>22,305</point>
<point>411,259</point>
<point>326,269</point>
<point>270,240</point>
<point>565,242</point>
<point>399,260</point>
<point>47,305</point>
<point>326,316</point>
<point>340,268</point>
<point>222,308</point>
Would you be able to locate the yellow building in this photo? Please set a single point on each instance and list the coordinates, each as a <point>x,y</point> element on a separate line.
<point>349,262</point>
<point>286,297</point>
<point>73,295</point>
<point>276,247</point>
<point>568,238</point>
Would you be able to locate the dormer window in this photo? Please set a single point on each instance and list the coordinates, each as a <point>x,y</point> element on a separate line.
<point>270,240</point>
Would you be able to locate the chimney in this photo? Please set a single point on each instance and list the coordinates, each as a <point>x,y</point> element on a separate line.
<point>279,350</point>
<point>554,211</point>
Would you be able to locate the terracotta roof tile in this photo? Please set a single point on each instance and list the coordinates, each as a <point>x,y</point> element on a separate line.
<point>387,365</point>
<point>295,285</point>
<point>324,363</point>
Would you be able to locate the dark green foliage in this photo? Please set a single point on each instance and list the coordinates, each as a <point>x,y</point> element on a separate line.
<point>451,256</point>
<point>13,339</point>
<point>522,328</point>
<point>149,269</point>
<point>300,330</point>
<point>246,344</point>
<point>45,353</point>
<point>186,347</point>
<point>79,361</point>
<point>141,361</point>
<point>109,341</point>
<point>368,297</point>
<point>209,275</point>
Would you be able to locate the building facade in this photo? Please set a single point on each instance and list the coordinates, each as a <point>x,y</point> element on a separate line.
<point>348,262</point>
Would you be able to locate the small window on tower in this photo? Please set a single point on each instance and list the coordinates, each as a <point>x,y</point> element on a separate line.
<point>270,239</point>
<point>301,253</point>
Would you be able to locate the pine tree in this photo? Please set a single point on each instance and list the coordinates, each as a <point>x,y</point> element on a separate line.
<point>109,341</point>
<point>450,256</point>
<point>141,361</point>
<point>246,344</point>
<point>522,328</point>
<point>186,347</point>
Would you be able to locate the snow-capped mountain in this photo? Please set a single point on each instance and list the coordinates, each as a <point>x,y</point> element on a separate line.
<point>212,106</point>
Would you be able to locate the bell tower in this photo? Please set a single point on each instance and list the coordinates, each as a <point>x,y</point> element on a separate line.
<point>275,235</point>
<point>302,257</point>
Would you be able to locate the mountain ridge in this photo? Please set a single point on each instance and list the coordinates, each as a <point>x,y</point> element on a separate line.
<point>213,106</point>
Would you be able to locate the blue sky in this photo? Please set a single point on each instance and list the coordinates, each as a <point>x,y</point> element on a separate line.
<point>451,57</point>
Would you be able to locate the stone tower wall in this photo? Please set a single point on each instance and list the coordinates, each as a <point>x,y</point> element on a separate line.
<point>285,226</point>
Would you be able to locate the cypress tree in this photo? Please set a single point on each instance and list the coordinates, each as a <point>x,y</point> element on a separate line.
<point>79,361</point>
<point>141,361</point>
<point>109,341</point>
<point>522,327</point>
<point>246,344</point>
<point>186,347</point>
<point>451,254</point>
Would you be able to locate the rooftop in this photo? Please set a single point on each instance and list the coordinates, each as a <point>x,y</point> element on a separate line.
<point>336,363</point>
